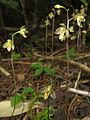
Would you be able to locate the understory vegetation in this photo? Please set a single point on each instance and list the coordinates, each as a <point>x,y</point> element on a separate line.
<point>45,60</point>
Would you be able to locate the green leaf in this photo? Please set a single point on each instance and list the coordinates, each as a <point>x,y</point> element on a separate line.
<point>72,53</point>
<point>16,55</point>
<point>49,70</point>
<point>11,3</point>
<point>84,1</point>
<point>39,71</point>
<point>16,100</point>
<point>43,115</point>
<point>28,90</point>
<point>36,65</point>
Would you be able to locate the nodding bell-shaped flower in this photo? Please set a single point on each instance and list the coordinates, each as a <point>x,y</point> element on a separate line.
<point>61,31</point>
<point>59,6</point>
<point>49,92</point>
<point>9,45</point>
<point>23,31</point>
<point>80,19</point>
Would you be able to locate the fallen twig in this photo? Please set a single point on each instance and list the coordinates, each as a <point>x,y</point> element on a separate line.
<point>59,58</point>
<point>85,93</point>
<point>83,56</point>
<point>78,78</point>
<point>4,72</point>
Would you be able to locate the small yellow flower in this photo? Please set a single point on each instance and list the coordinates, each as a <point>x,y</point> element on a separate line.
<point>23,31</point>
<point>71,29</point>
<point>73,37</point>
<point>51,15</point>
<point>47,22</point>
<point>58,11</point>
<point>84,31</point>
<point>49,92</point>
<point>80,19</point>
<point>9,45</point>
<point>61,31</point>
<point>58,6</point>
<point>89,26</point>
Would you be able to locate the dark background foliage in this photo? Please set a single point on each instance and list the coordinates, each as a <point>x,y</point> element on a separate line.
<point>31,13</point>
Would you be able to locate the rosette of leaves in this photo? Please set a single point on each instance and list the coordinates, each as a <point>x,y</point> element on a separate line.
<point>39,68</point>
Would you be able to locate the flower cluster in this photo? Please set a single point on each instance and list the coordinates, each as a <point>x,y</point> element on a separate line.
<point>9,45</point>
<point>61,31</point>
<point>79,16</point>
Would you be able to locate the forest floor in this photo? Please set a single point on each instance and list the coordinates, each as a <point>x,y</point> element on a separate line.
<point>78,105</point>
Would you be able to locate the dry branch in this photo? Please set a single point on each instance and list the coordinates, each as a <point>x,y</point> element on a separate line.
<point>59,58</point>
<point>80,65</point>
<point>85,93</point>
<point>4,72</point>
